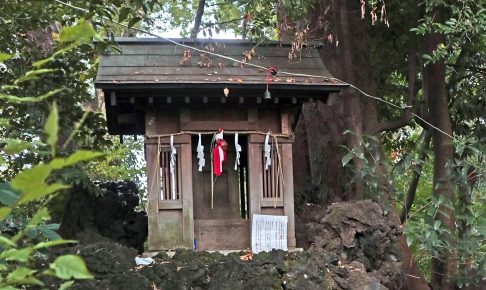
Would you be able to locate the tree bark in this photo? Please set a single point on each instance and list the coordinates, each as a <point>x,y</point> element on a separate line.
<point>351,100</point>
<point>443,267</point>
<point>197,20</point>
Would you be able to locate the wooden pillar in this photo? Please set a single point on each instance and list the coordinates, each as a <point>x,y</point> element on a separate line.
<point>187,195</point>
<point>288,193</point>
<point>254,178</point>
<point>153,184</point>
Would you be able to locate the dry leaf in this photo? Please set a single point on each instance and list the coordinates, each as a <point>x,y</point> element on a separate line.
<point>290,80</point>
<point>226,92</point>
<point>246,257</point>
<point>186,56</point>
<point>239,80</point>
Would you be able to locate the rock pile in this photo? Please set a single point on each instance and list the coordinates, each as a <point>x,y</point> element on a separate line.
<point>350,246</point>
<point>110,214</point>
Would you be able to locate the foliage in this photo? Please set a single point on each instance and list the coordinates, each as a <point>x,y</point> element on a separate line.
<point>250,19</point>
<point>123,161</point>
<point>33,185</point>
<point>29,183</point>
<point>369,173</point>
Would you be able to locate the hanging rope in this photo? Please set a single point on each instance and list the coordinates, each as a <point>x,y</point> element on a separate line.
<point>279,168</point>
<point>214,132</point>
<point>156,168</point>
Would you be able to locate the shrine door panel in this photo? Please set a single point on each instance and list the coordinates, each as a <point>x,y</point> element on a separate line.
<point>225,195</point>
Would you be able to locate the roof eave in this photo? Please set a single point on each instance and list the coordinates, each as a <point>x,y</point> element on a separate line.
<point>217,86</point>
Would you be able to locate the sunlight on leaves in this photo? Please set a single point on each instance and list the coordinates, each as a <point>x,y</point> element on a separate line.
<point>16,99</point>
<point>51,128</point>
<point>5,56</point>
<point>70,266</point>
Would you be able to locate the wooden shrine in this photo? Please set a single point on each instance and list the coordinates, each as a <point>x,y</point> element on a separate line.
<point>158,89</point>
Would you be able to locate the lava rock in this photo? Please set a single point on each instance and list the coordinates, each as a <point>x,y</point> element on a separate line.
<point>111,214</point>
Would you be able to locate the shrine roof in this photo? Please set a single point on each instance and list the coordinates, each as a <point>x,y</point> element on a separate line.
<point>150,63</point>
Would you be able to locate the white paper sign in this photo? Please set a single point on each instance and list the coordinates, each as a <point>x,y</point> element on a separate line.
<point>268,232</point>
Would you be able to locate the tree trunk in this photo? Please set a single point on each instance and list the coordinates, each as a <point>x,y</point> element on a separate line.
<point>197,20</point>
<point>351,99</point>
<point>443,267</point>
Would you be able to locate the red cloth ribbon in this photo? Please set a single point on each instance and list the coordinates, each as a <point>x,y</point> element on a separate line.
<point>219,156</point>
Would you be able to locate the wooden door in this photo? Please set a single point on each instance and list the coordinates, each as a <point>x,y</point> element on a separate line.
<point>222,226</point>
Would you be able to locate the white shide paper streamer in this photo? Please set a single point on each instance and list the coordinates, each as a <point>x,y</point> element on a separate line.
<point>238,150</point>
<point>267,148</point>
<point>173,153</point>
<point>200,154</point>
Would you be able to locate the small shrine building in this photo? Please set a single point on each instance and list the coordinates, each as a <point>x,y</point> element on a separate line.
<point>179,97</point>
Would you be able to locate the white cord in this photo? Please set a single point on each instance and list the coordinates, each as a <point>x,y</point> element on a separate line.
<point>402,107</point>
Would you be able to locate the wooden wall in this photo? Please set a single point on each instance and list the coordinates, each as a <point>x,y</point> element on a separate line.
<point>172,223</point>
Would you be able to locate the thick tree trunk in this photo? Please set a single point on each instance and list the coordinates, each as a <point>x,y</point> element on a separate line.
<point>443,267</point>
<point>369,116</point>
<point>351,99</point>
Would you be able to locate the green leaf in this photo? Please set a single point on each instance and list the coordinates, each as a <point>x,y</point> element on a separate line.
<point>6,241</point>
<point>8,196</point>
<point>15,99</point>
<point>9,288</point>
<point>5,56</point>
<point>53,243</point>
<point>123,14</point>
<point>134,21</point>
<point>51,128</point>
<point>44,191</point>
<point>23,275</point>
<point>346,158</point>
<point>66,285</point>
<point>33,75</point>
<point>4,122</point>
<point>81,33</point>
<point>43,61</point>
<point>4,212</point>
<point>21,255</point>
<point>41,215</point>
<point>409,240</point>
<point>30,182</point>
<point>15,146</point>
<point>70,266</point>
<point>3,267</point>
<point>76,157</point>
<point>437,224</point>
<point>49,231</point>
